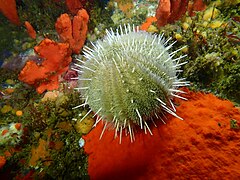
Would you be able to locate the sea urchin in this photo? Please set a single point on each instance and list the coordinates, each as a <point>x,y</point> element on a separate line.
<point>129,77</point>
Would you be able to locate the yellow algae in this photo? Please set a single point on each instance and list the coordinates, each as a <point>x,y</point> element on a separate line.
<point>188,20</point>
<point>234,52</point>
<point>152,29</point>
<point>211,13</point>
<point>185,26</point>
<point>85,125</point>
<point>66,126</point>
<point>216,24</point>
<point>39,153</point>
<point>36,135</point>
<point>204,34</point>
<point>6,109</point>
<point>178,36</point>
<point>50,96</point>
<point>185,49</point>
<point>10,81</point>
<point>217,3</point>
<point>205,24</point>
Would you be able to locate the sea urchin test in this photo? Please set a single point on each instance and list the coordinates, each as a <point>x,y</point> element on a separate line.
<point>129,78</point>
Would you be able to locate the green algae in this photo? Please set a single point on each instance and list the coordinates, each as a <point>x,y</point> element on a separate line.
<point>41,14</point>
<point>234,124</point>
<point>212,49</point>
<point>11,37</point>
<point>39,116</point>
<point>70,162</point>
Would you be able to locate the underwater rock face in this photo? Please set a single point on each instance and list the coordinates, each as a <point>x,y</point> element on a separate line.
<point>128,77</point>
<point>17,62</point>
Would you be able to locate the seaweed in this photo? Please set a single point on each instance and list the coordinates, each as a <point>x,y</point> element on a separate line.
<point>41,14</point>
<point>212,49</point>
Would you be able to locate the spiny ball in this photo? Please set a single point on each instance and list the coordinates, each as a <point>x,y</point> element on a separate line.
<point>128,77</point>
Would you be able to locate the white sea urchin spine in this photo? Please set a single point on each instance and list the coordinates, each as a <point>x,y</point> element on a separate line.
<point>129,77</point>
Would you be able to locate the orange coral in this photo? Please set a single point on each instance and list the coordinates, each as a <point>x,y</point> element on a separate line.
<point>30,30</point>
<point>202,146</point>
<point>163,12</point>
<point>73,31</point>
<point>197,5</point>
<point>57,57</point>
<point>6,154</point>
<point>29,176</point>
<point>148,23</point>
<point>178,9</point>
<point>8,9</point>
<point>73,6</point>
<point>169,11</point>
<point>2,161</point>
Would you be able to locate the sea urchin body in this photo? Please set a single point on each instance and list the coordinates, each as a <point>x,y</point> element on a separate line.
<point>129,77</point>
